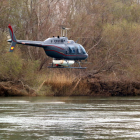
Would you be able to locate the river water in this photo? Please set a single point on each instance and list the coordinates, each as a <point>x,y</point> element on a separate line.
<point>69,118</point>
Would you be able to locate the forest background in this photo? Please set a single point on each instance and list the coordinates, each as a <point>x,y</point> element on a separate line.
<point>109,30</point>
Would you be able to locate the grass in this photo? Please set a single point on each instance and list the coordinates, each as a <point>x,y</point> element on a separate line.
<point>60,82</point>
<point>60,79</point>
<point>64,84</point>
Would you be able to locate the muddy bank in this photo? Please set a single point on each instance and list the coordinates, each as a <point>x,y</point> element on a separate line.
<point>114,88</point>
<point>96,86</point>
<point>103,86</point>
<point>87,86</point>
<point>15,89</point>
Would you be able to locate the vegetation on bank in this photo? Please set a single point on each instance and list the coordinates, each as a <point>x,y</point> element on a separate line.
<point>109,31</point>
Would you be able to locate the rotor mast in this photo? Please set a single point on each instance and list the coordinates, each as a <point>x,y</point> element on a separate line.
<point>64,31</point>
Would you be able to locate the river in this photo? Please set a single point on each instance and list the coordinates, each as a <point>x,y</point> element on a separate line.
<point>69,118</point>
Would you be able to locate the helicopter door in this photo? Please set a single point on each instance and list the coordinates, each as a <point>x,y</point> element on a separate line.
<point>71,49</point>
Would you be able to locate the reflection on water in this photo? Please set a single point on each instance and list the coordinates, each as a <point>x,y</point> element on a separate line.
<point>69,118</point>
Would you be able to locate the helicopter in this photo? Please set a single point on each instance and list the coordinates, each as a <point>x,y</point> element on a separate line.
<point>63,51</point>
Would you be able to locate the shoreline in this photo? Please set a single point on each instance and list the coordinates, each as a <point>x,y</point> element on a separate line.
<point>83,87</point>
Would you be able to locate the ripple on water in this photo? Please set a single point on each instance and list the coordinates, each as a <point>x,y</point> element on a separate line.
<point>62,118</point>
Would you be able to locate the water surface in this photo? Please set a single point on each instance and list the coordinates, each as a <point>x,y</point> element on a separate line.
<point>69,118</point>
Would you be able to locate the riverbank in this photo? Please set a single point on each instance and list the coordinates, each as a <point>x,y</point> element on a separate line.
<point>9,88</point>
<point>96,86</point>
<point>87,86</point>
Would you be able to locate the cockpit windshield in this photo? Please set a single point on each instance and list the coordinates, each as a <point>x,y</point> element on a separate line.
<point>82,48</point>
<point>76,49</point>
<point>79,50</point>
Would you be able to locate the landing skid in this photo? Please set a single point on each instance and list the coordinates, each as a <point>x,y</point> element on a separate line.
<point>67,67</point>
<point>60,66</point>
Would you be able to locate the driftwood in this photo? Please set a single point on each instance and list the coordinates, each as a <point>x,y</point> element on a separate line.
<point>11,88</point>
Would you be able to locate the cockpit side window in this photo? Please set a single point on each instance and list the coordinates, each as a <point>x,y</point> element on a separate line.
<point>71,49</point>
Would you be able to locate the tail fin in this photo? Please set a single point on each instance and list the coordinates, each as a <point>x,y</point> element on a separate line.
<point>13,38</point>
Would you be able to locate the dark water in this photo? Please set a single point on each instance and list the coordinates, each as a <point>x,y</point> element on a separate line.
<point>69,118</point>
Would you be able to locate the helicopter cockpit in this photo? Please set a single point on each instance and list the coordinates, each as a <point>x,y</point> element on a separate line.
<point>76,49</point>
